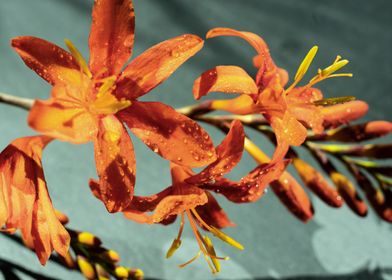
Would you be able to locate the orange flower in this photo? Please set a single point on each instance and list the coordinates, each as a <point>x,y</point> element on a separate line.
<point>187,196</point>
<point>290,111</point>
<point>90,101</point>
<point>24,200</point>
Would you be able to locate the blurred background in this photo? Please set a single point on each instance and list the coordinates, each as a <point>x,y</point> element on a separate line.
<point>336,244</point>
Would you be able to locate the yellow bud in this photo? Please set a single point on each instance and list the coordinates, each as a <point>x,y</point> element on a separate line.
<point>86,268</point>
<point>89,239</point>
<point>121,272</point>
<point>136,274</point>
<point>174,246</point>
<point>111,256</point>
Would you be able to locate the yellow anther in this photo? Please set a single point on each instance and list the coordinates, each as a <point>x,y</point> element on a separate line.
<point>303,68</point>
<point>78,56</point>
<point>86,268</point>
<point>211,251</point>
<point>334,100</point>
<point>109,104</point>
<point>89,239</point>
<point>224,237</point>
<point>121,272</point>
<point>111,256</point>
<point>173,248</point>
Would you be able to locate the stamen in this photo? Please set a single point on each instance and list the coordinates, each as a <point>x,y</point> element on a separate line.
<point>78,56</point>
<point>107,85</point>
<point>334,100</point>
<point>220,234</point>
<point>211,251</point>
<point>334,67</point>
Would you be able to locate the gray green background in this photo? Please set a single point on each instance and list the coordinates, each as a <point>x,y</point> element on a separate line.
<point>334,245</point>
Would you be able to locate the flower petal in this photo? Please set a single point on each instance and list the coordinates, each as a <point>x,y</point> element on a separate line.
<point>242,105</point>
<point>116,167</point>
<point>155,65</point>
<point>229,153</point>
<point>112,36</point>
<point>26,199</point>
<point>228,79</point>
<point>213,214</point>
<point>170,134</point>
<point>63,122</point>
<point>292,195</point>
<point>48,60</point>
<point>251,187</point>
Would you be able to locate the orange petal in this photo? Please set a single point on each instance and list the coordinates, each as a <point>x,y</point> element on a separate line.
<point>61,121</point>
<point>317,183</point>
<point>289,129</point>
<point>229,153</point>
<point>213,214</point>
<point>292,195</point>
<point>228,79</point>
<point>242,105</point>
<point>48,60</point>
<point>251,187</point>
<point>116,167</point>
<point>170,134</point>
<point>179,173</point>
<point>156,64</point>
<point>112,36</point>
<point>27,203</point>
<point>336,115</point>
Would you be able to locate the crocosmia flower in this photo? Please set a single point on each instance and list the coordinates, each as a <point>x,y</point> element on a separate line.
<point>24,200</point>
<point>188,196</point>
<point>290,110</point>
<point>91,101</point>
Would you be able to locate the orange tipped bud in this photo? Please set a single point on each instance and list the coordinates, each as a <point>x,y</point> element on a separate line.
<point>136,274</point>
<point>61,217</point>
<point>88,239</point>
<point>121,272</point>
<point>343,113</point>
<point>317,183</point>
<point>292,195</point>
<point>86,268</point>
<point>349,193</point>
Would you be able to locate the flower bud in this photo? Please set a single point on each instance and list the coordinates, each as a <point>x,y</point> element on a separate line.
<point>136,274</point>
<point>121,272</point>
<point>349,193</point>
<point>110,256</point>
<point>88,239</point>
<point>102,273</point>
<point>343,113</point>
<point>360,132</point>
<point>61,217</point>
<point>86,268</point>
<point>292,195</point>
<point>317,183</point>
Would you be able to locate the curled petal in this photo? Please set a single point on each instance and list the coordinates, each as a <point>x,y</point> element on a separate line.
<point>336,115</point>
<point>229,153</point>
<point>170,134</point>
<point>292,195</point>
<point>48,60</point>
<point>251,187</point>
<point>156,64</point>
<point>213,214</point>
<point>227,79</point>
<point>317,183</point>
<point>25,200</point>
<point>61,121</point>
<point>112,36</point>
<point>116,167</point>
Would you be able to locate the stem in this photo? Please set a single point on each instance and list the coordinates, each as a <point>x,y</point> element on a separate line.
<point>24,103</point>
